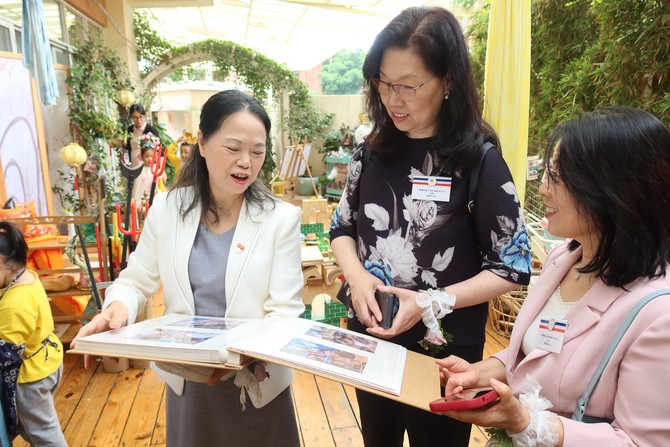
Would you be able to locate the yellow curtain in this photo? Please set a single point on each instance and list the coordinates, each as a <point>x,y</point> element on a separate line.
<point>507,82</point>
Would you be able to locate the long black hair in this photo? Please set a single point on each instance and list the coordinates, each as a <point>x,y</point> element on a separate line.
<point>194,172</point>
<point>13,246</point>
<point>615,162</point>
<point>436,36</point>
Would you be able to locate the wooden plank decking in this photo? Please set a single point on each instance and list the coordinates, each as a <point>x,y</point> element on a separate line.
<point>97,408</point>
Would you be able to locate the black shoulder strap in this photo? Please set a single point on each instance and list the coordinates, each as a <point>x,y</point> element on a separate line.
<point>366,158</point>
<point>474,177</point>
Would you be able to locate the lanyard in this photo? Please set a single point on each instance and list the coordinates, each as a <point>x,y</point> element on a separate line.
<point>11,283</point>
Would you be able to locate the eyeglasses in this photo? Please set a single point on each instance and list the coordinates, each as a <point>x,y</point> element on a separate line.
<point>136,117</point>
<point>550,176</point>
<point>404,92</point>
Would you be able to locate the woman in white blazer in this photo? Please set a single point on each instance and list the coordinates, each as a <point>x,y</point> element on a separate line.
<point>220,245</point>
<point>607,190</point>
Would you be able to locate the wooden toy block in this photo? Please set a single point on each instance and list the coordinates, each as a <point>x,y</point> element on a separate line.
<point>330,273</point>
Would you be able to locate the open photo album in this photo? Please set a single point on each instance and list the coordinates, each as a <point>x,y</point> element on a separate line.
<point>328,351</point>
<point>174,337</point>
<point>317,348</point>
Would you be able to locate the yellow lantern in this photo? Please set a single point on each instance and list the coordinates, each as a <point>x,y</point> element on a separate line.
<point>277,186</point>
<point>73,154</point>
<point>125,97</point>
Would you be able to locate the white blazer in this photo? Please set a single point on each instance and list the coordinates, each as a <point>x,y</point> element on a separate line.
<point>263,276</point>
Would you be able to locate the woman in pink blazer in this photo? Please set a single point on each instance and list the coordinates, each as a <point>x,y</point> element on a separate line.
<point>607,190</point>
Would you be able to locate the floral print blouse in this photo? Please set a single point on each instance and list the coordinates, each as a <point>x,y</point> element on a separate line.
<point>426,244</point>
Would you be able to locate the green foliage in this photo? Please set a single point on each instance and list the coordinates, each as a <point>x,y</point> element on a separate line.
<point>332,143</point>
<point>193,72</point>
<point>68,197</point>
<point>96,76</point>
<point>591,54</point>
<point>166,140</point>
<point>587,54</point>
<point>151,47</point>
<point>435,350</point>
<point>342,74</point>
<point>304,121</point>
<point>466,4</point>
<point>562,34</point>
<point>262,74</point>
<point>498,437</point>
<point>343,138</point>
<point>255,70</point>
<point>477,34</point>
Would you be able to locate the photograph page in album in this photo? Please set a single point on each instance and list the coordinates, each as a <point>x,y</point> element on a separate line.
<point>328,351</point>
<point>172,337</point>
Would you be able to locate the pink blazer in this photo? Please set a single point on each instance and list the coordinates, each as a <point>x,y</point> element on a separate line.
<point>634,390</point>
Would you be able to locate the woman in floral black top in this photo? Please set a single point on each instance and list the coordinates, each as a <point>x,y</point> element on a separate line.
<point>403,226</point>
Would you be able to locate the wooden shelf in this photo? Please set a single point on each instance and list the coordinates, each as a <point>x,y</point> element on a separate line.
<point>60,243</point>
<point>69,334</point>
<point>72,291</point>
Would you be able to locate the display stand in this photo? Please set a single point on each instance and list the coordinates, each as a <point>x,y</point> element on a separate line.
<point>296,161</point>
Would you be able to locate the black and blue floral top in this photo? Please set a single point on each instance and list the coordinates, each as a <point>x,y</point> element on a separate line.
<point>426,244</point>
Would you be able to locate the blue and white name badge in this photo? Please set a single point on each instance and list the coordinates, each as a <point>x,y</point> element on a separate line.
<point>437,189</point>
<point>551,334</point>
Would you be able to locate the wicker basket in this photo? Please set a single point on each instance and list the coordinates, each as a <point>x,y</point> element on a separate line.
<point>504,309</point>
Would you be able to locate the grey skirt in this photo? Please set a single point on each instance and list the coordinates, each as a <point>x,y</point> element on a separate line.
<point>212,416</point>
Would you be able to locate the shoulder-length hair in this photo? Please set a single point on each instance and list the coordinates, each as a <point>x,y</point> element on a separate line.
<point>615,162</point>
<point>194,172</point>
<point>436,36</point>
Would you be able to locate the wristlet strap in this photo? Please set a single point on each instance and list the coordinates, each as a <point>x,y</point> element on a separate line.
<point>578,415</point>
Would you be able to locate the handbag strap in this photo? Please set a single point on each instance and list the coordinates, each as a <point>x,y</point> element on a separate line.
<point>474,177</point>
<point>578,415</point>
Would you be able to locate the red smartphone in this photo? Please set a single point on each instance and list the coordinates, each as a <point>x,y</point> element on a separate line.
<point>465,400</point>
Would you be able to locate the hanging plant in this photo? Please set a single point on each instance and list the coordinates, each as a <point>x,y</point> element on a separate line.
<point>304,121</point>
<point>96,77</point>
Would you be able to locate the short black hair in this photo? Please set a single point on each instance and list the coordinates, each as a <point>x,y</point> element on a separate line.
<point>615,162</point>
<point>139,108</point>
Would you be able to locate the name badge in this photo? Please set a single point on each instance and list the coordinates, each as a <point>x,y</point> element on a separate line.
<point>437,189</point>
<point>551,334</point>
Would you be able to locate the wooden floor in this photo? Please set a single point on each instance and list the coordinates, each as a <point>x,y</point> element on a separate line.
<point>127,408</point>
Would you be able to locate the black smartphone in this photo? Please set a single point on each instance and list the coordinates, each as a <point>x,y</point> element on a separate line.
<point>388,304</point>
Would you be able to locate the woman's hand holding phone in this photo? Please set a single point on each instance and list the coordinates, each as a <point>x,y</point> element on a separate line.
<point>407,316</point>
<point>504,411</point>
